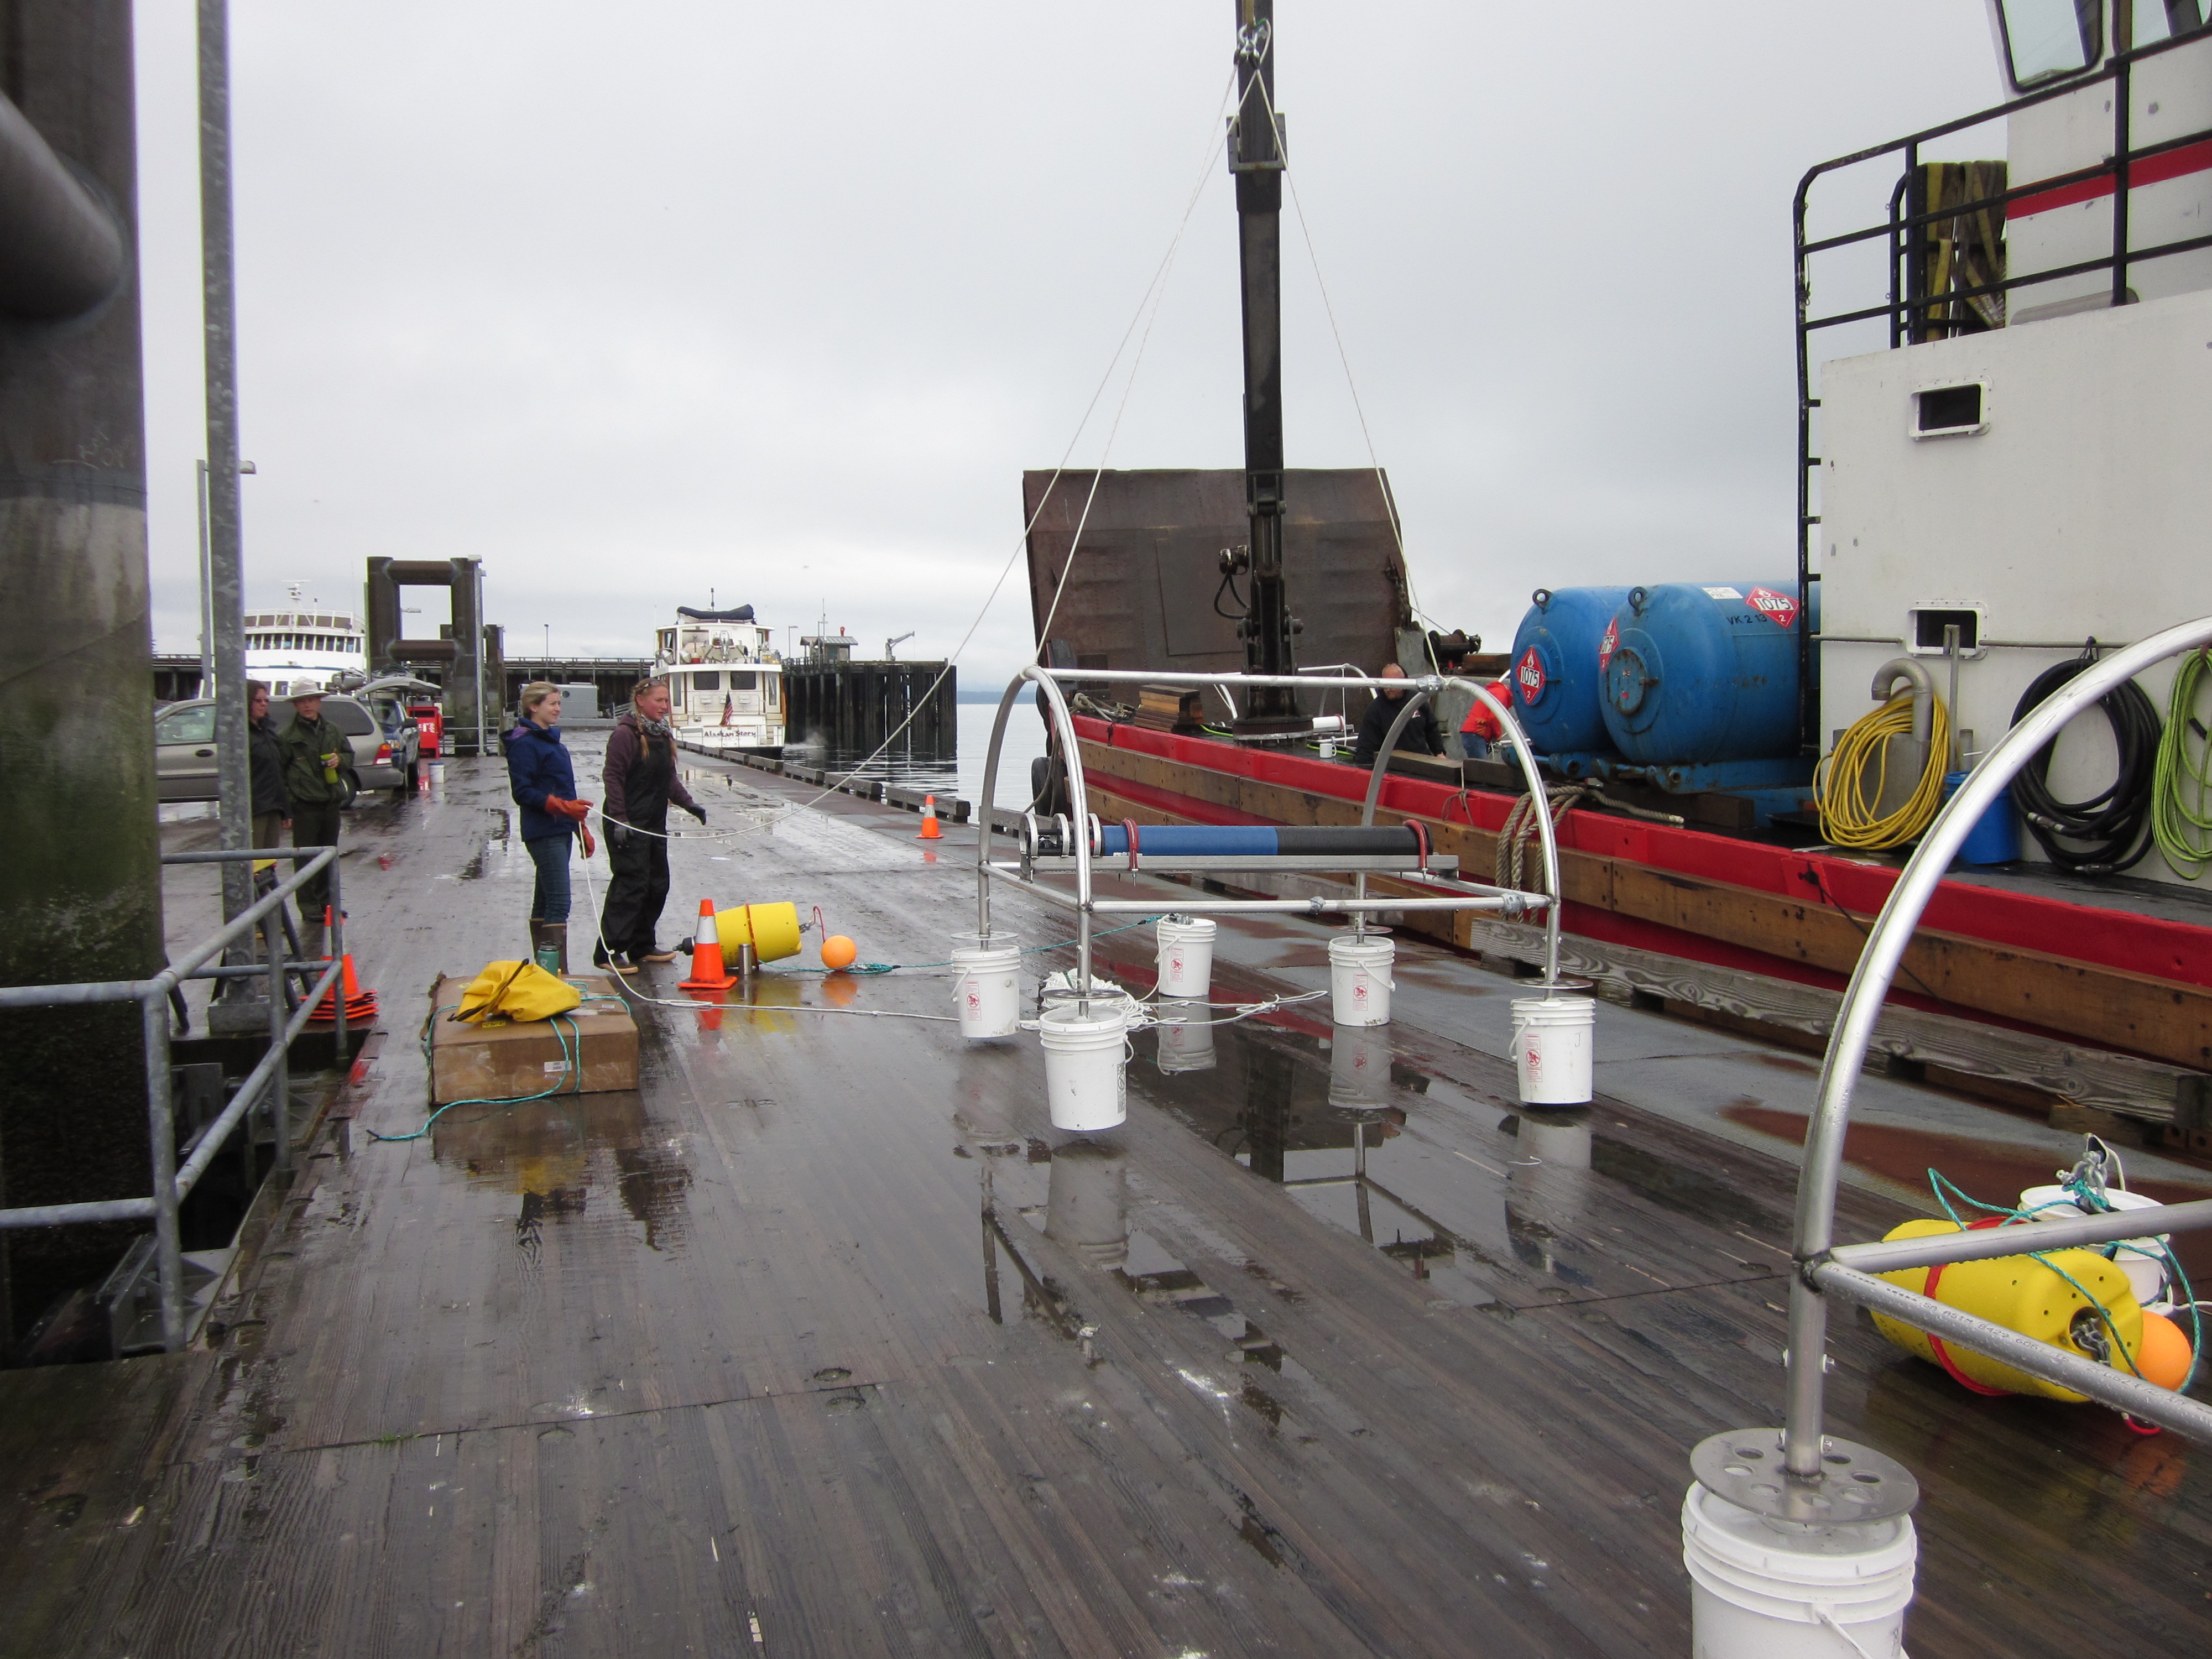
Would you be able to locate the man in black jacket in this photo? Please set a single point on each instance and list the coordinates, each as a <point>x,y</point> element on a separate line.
<point>1422,732</point>
<point>640,783</point>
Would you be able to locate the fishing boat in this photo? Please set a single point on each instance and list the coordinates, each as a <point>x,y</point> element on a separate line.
<point>1995,487</point>
<point>725,680</point>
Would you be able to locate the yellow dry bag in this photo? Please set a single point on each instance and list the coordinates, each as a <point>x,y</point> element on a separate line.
<point>515,991</point>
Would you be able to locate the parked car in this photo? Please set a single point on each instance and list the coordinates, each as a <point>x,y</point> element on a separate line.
<point>385,756</point>
<point>183,751</point>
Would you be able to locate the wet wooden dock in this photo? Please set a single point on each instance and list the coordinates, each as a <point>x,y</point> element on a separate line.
<point>825,1342</point>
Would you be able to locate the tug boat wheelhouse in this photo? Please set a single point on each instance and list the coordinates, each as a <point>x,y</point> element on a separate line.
<point>724,682</point>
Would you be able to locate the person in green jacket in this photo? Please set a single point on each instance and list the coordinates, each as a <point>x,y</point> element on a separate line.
<point>316,757</point>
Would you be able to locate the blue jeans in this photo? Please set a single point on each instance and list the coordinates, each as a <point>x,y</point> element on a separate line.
<point>550,902</point>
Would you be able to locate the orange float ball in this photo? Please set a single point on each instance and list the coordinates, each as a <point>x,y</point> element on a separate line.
<point>838,951</point>
<point>2163,1359</point>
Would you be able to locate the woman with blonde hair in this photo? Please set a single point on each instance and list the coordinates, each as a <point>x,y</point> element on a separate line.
<point>543,782</point>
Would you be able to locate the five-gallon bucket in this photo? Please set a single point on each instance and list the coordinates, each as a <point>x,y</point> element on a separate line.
<point>1186,1031</point>
<point>1186,945</point>
<point>1085,1081</point>
<point>1551,1044</point>
<point>986,985</point>
<point>1359,982</point>
<point>1781,1589</point>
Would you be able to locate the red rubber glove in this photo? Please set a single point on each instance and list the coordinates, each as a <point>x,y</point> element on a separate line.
<point>591,847</point>
<point>576,811</point>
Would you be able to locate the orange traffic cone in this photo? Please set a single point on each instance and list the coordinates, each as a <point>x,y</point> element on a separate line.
<point>929,829</point>
<point>708,972</point>
<point>360,1005</point>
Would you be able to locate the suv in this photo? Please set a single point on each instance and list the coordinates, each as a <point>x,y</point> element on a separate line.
<point>384,754</point>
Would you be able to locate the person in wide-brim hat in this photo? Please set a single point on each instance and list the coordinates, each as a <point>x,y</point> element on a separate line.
<point>317,756</point>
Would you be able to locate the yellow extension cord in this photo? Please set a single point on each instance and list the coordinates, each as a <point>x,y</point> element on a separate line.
<point>1848,784</point>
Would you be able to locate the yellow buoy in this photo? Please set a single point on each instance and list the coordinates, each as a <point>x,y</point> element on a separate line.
<point>2022,1294</point>
<point>771,929</point>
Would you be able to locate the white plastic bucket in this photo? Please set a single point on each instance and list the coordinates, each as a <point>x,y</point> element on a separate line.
<point>1086,1081</point>
<point>987,985</point>
<point>2144,1265</point>
<point>1186,1031</point>
<point>1186,948</point>
<point>1551,1047</point>
<point>1360,983</point>
<point>1358,1068</point>
<point>1777,1589</point>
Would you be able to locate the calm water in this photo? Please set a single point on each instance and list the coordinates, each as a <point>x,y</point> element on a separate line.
<point>962,777</point>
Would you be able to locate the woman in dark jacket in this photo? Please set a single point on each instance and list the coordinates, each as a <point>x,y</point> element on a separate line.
<point>544,785</point>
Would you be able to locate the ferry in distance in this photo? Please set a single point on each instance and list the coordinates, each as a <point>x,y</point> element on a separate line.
<point>305,641</point>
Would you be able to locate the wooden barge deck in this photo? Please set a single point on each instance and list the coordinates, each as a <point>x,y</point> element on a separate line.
<point>825,1342</point>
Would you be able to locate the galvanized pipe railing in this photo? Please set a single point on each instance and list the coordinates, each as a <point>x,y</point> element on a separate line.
<point>1823,1269</point>
<point>271,1077</point>
<point>1047,680</point>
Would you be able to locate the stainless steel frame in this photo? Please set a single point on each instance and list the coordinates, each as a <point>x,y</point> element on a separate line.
<point>1465,895</point>
<point>270,1078</point>
<point>1825,1270</point>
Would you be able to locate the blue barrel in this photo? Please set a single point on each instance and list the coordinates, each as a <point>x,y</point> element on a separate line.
<point>1554,672</point>
<point>1703,673</point>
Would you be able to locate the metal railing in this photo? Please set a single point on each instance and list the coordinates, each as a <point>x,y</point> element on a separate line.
<point>1466,896</point>
<point>1818,1469</point>
<point>1900,228</point>
<point>270,1078</point>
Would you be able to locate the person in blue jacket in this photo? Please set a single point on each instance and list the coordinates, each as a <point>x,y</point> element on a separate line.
<point>543,784</point>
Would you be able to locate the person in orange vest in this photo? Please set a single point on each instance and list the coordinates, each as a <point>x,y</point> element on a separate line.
<point>1481,728</point>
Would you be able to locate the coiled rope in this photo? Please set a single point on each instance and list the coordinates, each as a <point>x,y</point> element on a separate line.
<point>2183,828</point>
<point>1519,832</point>
<point>1848,783</point>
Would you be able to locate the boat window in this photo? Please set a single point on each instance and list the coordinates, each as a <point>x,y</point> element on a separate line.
<point>743,682</point>
<point>774,689</point>
<point>2048,37</point>
<point>708,681</point>
<point>186,725</point>
<point>2153,20</point>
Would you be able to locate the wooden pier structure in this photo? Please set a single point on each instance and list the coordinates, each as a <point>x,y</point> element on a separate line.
<point>855,707</point>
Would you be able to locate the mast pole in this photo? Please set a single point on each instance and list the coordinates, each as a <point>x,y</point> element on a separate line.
<point>1256,160</point>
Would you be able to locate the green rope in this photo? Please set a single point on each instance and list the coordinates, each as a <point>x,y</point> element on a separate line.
<point>2183,828</point>
<point>572,1066</point>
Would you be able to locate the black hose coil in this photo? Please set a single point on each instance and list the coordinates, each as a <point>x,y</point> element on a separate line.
<point>2115,823</point>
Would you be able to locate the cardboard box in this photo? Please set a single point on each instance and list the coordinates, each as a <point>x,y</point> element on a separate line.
<point>502,1062</point>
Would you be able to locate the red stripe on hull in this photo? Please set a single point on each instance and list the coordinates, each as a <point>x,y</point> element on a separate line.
<point>2116,939</point>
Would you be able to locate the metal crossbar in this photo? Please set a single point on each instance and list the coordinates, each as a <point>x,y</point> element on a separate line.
<point>1464,896</point>
<point>270,1078</point>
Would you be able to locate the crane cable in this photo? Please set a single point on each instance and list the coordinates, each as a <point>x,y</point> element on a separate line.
<point>2183,828</point>
<point>1848,783</point>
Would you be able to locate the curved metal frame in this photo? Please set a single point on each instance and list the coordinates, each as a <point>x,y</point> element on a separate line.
<point>1063,723</point>
<point>1821,1267</point>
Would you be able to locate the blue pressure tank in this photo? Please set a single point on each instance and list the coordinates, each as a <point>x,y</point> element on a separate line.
<point>1698,673</point>
<point>1553,670</point>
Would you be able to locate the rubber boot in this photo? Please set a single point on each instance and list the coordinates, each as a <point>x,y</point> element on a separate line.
<point>311,941</point>
<point>536,937</point>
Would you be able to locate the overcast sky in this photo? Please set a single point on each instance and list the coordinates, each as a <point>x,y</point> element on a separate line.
<point>633,303</point>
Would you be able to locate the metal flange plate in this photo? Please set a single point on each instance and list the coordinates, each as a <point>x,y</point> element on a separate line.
<point>1857,1483</point>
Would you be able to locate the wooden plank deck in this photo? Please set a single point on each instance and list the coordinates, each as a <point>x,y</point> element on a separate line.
<point>825,1342</point>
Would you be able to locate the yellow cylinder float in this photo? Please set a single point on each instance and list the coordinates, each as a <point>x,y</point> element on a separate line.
<point>771,929</point>
<point>2022,1294</point>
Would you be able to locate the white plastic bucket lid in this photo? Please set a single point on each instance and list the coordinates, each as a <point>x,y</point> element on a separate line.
<point>1189,928</point>
<point>1858,1570</point>
<point>1554,1010</point>
<point>1367,952</point>
<point>1071,1030</point>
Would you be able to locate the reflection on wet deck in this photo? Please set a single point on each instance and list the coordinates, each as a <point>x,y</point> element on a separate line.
<point>826,1342</point>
